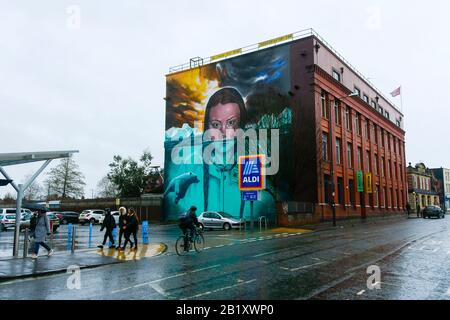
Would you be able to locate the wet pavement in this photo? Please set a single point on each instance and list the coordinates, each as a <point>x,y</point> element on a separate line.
<point>412,255</point>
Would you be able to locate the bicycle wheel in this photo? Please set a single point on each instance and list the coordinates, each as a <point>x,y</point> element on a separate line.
<point>199,242</point>
<point>179,246</point>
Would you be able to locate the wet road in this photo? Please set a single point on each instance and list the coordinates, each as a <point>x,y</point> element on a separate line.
<point>412,255</point>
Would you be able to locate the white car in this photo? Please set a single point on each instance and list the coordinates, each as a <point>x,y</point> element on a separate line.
<point>8,217</point>
<point>91,216</point>
<point>115,214</point>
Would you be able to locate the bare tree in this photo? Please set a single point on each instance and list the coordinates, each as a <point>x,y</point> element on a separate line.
<point>106,188</point>
<point>66,180</point>
<point>34,191</point>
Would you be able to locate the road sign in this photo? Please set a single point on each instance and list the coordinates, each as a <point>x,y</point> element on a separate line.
<point>251,175</point>
<point>250,195</point>
<point>359,181</point>
<point>369,183</point>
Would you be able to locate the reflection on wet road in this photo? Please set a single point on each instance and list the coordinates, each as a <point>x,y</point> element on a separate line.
<point>412,254</point>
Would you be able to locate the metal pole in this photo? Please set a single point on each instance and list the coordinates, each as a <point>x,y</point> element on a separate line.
<point>74,234</point>
<point>251,216</point>
<point>18,217</point>
<point>25,244</point>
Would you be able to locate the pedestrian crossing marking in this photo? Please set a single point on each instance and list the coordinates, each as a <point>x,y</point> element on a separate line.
<point>144,251</point>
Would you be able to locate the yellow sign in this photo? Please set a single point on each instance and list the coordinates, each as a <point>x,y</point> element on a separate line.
<point>117,202</point>
<point>369,183</point>
<point>276,40</point>
<point>226,54</point>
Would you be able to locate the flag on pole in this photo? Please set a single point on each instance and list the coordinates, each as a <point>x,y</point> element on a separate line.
<point>396,92</point>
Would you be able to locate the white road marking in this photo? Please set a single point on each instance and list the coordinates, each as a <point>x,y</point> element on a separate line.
<point>264,254</point>
<point>448,292</point>
<point>307,266</point>
<point>220,246</point>
<point>361,292</point>
<point>219,290</point>
<point>158,289</point>
<point>162,279</point>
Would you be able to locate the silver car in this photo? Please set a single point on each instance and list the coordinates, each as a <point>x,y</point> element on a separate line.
<point>218,220</point>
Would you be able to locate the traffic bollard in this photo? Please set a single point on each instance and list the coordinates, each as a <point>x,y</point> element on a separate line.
<point>25,243</point>
<point>90,235</point>
<point>69,235</point>
<point>114,233</point>
<point>74,235</point>
<point>145,232</point>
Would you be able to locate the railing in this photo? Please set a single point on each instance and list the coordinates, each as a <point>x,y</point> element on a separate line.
<point>198,62</point>
<point>240,224</point>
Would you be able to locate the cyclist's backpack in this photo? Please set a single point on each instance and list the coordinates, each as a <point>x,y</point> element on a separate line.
<point>184,218</point>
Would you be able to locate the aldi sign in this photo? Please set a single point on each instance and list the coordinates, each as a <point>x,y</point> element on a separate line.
<point>251,175</point>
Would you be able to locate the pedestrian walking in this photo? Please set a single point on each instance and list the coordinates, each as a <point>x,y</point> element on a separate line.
<point>122,224</point>
<point>109,224</point>
<point>418,210</point>
<point>41,231</point>
<point>408,209</point>
<point>131,229</point>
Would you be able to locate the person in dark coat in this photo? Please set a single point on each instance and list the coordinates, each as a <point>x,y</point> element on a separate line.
<point>408,209</point>
<point>131,228</point>
<point>109,224</point>
<point>41,232</point>
<point>418,211</point>
<point>122,224</point>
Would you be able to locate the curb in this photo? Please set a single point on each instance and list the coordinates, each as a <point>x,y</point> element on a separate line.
<point>64,270</point>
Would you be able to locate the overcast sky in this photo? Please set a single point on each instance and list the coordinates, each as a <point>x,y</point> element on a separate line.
<point>98,86</point>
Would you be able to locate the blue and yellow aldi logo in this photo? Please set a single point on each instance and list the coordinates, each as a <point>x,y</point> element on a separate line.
<point>251,173</point>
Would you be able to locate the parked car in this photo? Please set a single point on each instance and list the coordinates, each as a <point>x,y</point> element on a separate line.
<point>91,216</point>
<point>116,215</point>
<point>8,217</point>
<point>7,221</point>
<point>25,221</point>
<point>54,220</point>
<point>433,211</point>
<point>67,217</point>
<point>218,220</point>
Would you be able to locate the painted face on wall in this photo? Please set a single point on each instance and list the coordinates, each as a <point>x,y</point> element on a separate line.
<point>224,120</point>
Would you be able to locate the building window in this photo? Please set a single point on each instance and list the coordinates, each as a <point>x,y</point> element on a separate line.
<point>389,169</point>
<point>340,187</point>
<point>378,195</point>
<point>348,118</point>
<point>376,164</point>
<point>359,158</point>
<point>395,144</point>
<point>389,141</point>
<point>368,161</point>
<point>382,166</point>
<point>366,99</point>
<point>387,115</point>
<point>327,188</point>
<point>349,155</point>
<point>374,105</point>
<point>358,123</point>
<point>386,199</point>
<point>337,113</point>
<point>325,146</point>
<point>351,191</point>
<point>375,128</point>
<point>338,151</point>
<point>357,91</point>
<point>366,129</point>
<point>381,110</point>
<point>323,101</point>
<point>382,138</point>
<point>336,75</point>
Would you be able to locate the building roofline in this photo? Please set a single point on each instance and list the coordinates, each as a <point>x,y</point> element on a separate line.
<point>283,40</point>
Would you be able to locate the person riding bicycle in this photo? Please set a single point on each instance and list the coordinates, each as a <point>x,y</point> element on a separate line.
<point>188,221</point>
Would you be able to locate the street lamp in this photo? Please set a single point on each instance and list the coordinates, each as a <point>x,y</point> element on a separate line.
<point>330,122</point>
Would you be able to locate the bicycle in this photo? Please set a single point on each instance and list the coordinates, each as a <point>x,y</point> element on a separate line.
<point>185,240</point>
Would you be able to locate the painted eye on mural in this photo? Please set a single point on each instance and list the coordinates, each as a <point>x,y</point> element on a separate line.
<point>216,125</point>
<point>232,123</point>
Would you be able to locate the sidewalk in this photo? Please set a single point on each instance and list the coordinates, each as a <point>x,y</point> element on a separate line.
<point>59,263</point>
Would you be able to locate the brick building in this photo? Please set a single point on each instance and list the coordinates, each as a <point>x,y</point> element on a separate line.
<point>346,125</point>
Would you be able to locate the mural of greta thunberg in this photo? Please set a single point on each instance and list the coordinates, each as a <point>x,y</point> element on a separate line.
<point>224,114</point>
